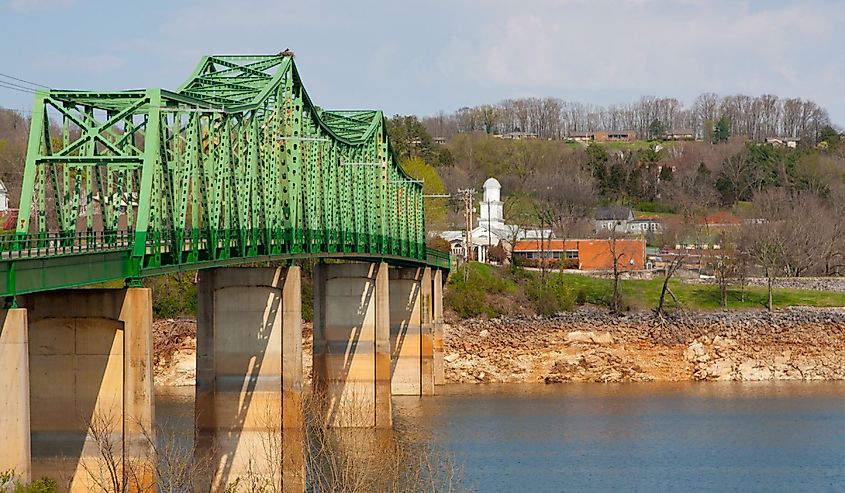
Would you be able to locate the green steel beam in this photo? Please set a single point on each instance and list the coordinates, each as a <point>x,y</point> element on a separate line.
<point>235,166</point>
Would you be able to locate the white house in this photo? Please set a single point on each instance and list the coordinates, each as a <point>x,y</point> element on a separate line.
<point>4,197</point>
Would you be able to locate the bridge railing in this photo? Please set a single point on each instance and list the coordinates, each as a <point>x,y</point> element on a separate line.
<point>15,246</point>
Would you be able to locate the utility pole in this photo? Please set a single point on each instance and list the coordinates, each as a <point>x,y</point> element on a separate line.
<point>468,195</point>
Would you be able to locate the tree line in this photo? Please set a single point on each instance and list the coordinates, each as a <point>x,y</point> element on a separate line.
<point>553,118</point>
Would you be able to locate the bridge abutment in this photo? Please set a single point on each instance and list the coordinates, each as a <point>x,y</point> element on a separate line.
<point>91,387</point>
<point>249,377</point>
<point>352,364</point>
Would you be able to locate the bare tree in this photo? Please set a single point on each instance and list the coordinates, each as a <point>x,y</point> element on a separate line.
<point>670,270</point>
<point>616,254</point>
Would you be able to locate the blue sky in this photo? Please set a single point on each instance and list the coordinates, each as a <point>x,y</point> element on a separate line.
<point>422,57</point>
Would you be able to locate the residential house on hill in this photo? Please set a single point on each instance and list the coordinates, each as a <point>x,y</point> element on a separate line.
<point>615,136</point>
<point>790,142</point>
<point>678,135</point>
<point>580,136</point>
<point>720,219</point>
<point>603,136</point>
<point>613,218</point>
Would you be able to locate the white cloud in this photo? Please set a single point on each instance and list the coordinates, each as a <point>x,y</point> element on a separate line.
<point>33,5</point>
<point>665,48</point>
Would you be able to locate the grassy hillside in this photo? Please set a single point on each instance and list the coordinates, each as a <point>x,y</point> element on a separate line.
<point>484,290</point>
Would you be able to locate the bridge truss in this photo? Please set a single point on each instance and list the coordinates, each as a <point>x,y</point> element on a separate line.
<point>236,166</point>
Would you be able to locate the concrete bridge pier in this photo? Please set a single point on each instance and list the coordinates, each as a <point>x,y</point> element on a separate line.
<point>89,413</point>
<point>352,364</point>
<point>411,335</point>
<point>14,406</point>
<point>249,377</point>
<point>438,324</point>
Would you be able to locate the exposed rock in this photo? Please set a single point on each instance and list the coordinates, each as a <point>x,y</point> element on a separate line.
<point>451,358</point>
<point>720,370</point>
<point>589,337</point>
<point>592,345</point>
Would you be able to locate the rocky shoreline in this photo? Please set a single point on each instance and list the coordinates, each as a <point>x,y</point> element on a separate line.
<point>590,345</point>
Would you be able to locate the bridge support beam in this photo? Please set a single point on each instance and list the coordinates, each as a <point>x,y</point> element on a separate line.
<point>249,377</point>
<point>437,326</point>
<point>411,336</point>
<point>91,387</point>
<point>14,405</point>
<point>352,344</point>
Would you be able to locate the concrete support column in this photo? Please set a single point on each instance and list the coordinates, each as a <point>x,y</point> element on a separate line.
<point>14,405</point>
<point>406,331</point>
<point>411,338</point>
<point>427,334</point>
<point>249,377</point>
<point>437,327</point>
<point>352,343</point>
<point>91,387</point>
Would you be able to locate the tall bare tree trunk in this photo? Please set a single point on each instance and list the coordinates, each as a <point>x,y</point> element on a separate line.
<point>770,282</point>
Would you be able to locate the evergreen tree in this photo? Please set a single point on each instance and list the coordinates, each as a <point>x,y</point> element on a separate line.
<point>722,130</point>
<point>656,129</point>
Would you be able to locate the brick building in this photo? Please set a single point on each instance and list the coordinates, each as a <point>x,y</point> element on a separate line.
<point>581,254</point>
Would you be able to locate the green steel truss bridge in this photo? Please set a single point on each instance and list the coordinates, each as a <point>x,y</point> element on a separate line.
<point>236,166</point>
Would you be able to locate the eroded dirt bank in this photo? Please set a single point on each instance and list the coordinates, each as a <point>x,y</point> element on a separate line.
<point>590,345</point>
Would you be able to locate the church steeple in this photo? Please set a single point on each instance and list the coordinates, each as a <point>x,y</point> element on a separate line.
<point>490,216</point>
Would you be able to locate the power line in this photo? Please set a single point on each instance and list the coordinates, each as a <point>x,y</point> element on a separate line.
<point>24,81</point>
<point>16,87</point>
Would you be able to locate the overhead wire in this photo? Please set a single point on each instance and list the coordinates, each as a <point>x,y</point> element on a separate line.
<point>16,87</point>
<point>24,81</point>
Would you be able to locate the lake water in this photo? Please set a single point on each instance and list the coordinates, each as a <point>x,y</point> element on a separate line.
<point>720,436</point>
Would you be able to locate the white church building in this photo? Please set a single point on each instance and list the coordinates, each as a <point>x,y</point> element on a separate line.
<point>490,228</point>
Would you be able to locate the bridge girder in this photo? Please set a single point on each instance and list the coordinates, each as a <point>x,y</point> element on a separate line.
<point>238,164</point>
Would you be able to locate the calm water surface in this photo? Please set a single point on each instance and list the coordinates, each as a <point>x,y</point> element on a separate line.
<point>749,437</point>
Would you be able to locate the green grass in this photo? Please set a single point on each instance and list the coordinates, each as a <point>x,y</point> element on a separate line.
<point>636,144</point>
<point>486,288</point>
<point>646,293</point>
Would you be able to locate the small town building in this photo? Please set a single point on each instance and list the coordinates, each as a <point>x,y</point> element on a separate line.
<point>603,136</point>
<point>790,142</point>
<point>517,136</point>
<point>678,135</point>
<point>580,136</point>
<point>645,226</point>
<point>613,218</point>
<point>491,229</point>
<point>4,197</point>
<point>614,136</point>
<point>720,220</point>
<point>595,254</point>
